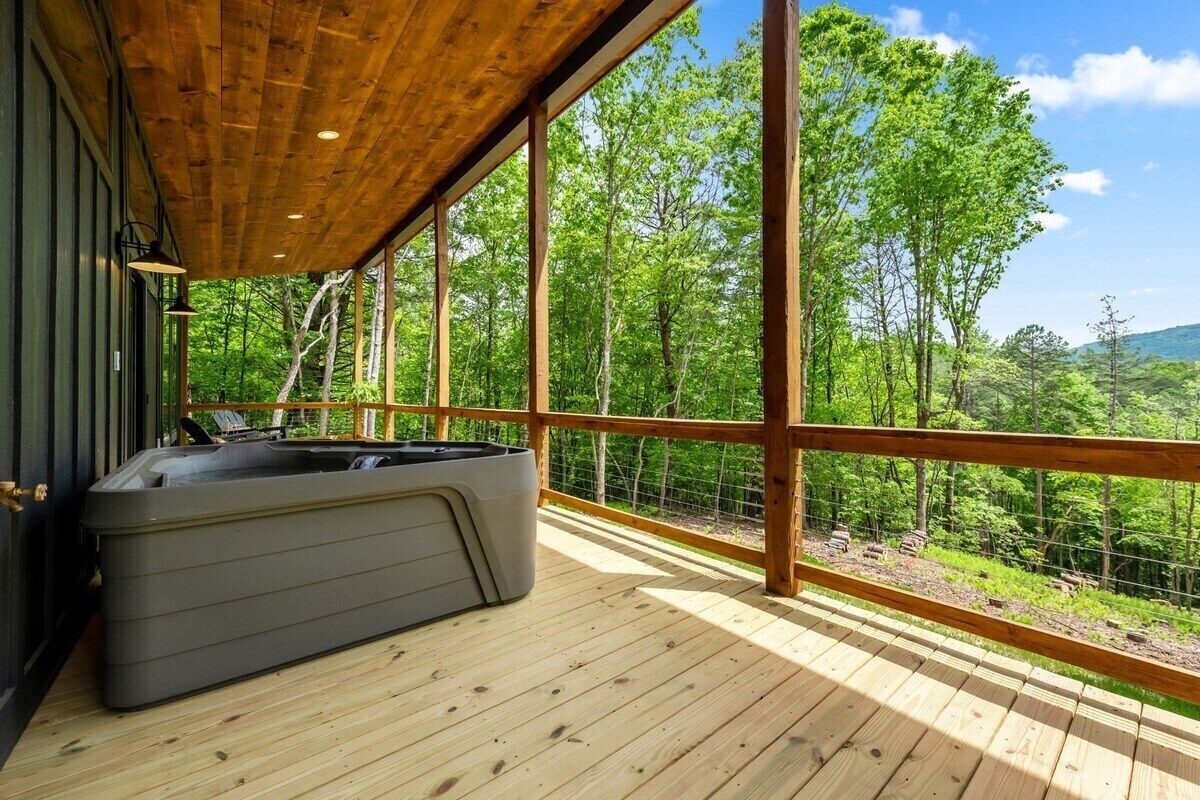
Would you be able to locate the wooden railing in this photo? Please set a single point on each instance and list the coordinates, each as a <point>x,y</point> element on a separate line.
<point>781,436</point>
<point>1161,459</point>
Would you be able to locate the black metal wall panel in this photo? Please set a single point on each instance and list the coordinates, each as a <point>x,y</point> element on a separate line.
<point>67,417</point>
<point>85,334</point>
<point>64,543</point>
<point>100,318</point>
<point>10,718</point>
<point>33,345</point>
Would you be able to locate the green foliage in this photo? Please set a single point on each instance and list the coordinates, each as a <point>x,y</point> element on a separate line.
<point>363,392</point>
<point>920,176</point>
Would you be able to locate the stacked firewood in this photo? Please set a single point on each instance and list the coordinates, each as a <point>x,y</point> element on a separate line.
<point>1079,581</point>
<point>839,540</point>
<point>874,550</point>
<point>914,543</point>
<point>1068,582</point>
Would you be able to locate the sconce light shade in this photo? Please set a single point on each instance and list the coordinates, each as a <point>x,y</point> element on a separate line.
<point>180,308</point>
<point>155,260</point>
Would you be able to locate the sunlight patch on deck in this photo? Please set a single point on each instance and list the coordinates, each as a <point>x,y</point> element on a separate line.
<point>596,556</point>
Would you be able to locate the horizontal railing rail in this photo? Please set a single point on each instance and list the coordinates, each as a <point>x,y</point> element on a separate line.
<point>300,405</point>
<point>1163,459</point>
<point>1133,458</point>
<point>701,430</point>
<point>1155,675</point>
<point>1136,458</point>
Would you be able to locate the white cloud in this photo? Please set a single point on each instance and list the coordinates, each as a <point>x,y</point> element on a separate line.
<point>1131,77</point>
<point>1093,181</point>
<point>908,23</point>
<point>1150,166</point>
<point>1052,220</point>
<point>1033,62</point>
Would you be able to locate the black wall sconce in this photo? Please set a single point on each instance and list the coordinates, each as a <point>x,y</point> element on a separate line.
<point>152,258</point>
<point>147,258</point>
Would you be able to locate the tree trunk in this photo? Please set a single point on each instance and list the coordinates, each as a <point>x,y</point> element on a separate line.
<point>375,350</point>
<point>429,348</point>
<point>637,475</point>
<point>241,394</point>
<point>662,481</point>
<point>299,332</point>
<point>604,379</point>
<point>1106,535</point>
<point>335,302</point>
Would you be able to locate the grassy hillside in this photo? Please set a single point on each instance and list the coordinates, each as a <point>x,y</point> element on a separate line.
<point>1181,343</point>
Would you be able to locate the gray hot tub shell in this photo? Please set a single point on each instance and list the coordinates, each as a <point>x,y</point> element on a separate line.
<point>221,561</point>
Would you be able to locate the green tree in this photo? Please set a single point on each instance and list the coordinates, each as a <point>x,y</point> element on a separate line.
<point>1112,362</point>
<point>1039,357</point>
<point>959,177</point>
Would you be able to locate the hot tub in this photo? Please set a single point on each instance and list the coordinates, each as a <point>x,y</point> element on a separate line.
<point>221,561</point>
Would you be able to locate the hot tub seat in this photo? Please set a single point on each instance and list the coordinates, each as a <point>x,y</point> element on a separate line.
<point>222,561</point>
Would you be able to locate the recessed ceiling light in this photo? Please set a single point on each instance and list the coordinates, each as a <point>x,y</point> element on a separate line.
<point>328,135</point>
<point>295,216</point>
<point>281,255</point>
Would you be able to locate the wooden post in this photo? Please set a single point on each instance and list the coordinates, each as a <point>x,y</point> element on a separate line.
<point>358,348</point>
<point>441,306</point>
<point>539,328</point>
<point>183,362</point>
<point>389,339</point>
<point>783,505</point>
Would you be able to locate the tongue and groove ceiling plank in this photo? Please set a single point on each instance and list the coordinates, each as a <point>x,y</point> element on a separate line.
<point>233,93</point>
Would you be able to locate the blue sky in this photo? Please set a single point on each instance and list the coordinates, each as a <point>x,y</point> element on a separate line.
<point>1125,121</point>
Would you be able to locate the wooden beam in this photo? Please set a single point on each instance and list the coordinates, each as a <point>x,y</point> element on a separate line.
<point>1137,458</point>
<point>441,313</point>
<point>625,30</point>
<point>489,414</point>
<point>388,276</point>
<point>184,409</point>
<point>1154,675</point>
<point>358,346</point>
<point>709,544</point>
<point>314,405</point>
<point>703,430</point>
<point>538,293</point>
<point>782,329</point>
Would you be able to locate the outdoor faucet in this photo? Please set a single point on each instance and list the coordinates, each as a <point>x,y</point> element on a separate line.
<point>10,494</point>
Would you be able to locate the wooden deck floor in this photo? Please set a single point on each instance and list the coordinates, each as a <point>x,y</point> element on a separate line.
<point>634,670</point>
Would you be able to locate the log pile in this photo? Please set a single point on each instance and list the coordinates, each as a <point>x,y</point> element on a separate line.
<point>1077,580</point>
<point>874,550</point>
<point>913,544</point>
<point>1068,582</point>
<point>839,540</point>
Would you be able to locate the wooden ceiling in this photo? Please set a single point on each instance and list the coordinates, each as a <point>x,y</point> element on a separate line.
<point>233,93</point>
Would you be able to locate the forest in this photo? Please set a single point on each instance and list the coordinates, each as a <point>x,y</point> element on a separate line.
<point>921,175</point>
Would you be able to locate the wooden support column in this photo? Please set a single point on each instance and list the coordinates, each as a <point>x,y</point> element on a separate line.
<point>783,504</point>
<point>389,339</point>
<point>183,362</point>
<point>539,327</point>
<point>441,311</point>
<point>358,347</point>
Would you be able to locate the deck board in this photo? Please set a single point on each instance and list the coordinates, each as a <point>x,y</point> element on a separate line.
<point>633,670</point>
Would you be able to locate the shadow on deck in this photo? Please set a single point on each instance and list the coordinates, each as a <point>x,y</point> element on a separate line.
<point>633,670</point>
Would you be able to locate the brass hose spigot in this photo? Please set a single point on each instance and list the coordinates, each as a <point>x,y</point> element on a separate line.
<point>10,494</point>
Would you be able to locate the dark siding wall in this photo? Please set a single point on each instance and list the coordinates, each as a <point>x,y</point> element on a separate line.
<point>65,546</point>
<point>67,306</point>
<point>9,94</point>
<point>34,365</point>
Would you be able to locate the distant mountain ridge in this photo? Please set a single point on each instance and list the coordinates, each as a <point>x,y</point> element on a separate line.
<point>1181,343</point>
